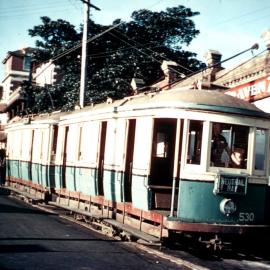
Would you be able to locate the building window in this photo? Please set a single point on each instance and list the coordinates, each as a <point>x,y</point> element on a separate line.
<point>26,63</point>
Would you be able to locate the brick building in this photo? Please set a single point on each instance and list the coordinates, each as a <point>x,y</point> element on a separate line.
<point>17,69</point>
<point>249,80</point>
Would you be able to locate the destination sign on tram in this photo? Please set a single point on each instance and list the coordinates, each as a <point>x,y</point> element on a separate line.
<point>231,184</point>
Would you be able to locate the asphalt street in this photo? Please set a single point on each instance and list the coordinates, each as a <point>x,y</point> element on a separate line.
<point>33,239</point>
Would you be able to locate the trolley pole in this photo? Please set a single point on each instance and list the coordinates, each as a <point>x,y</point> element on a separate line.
<point>84,52</point>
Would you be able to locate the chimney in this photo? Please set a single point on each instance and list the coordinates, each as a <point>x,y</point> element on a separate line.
<point>137,85</point>
<point>171,71</point>
<point>213,58</point>
<point>266,38</point>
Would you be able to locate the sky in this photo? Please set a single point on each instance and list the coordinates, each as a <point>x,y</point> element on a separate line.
<point>228,26</point>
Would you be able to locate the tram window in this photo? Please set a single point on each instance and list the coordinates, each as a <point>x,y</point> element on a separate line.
<point>260,143</point>
<point>54,143</point>
<point>195,142</point>
<point>229,145</point>
<point>41,144</point>
<point>80,148</point>
<point>162,145</point>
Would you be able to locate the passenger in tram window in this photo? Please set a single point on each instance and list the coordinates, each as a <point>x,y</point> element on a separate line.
<point>220,152</point>
<point>238,157</point>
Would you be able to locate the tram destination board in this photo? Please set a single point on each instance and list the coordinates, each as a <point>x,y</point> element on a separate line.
<point>231,184</point>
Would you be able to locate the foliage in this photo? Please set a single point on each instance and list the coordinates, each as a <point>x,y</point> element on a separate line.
<point>133,49</point>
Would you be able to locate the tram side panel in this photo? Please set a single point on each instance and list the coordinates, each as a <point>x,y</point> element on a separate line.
<point>71,142</point>
<point>76,157</point>
<point>52,147</point>
<point>26,151</point>
<point>113,170</point>
<point>87,152</point>
<point>46,156</point>
<point>58,159</point>
<point>141,193</point>
<point>37,157</point>
<point>12,154</point>
<point>17,155</point>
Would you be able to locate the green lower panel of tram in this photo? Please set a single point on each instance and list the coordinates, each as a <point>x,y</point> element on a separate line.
<point>141,193</point>
<point>43,175</point>
<point>58,177</point>
<point>37,174</point>
<point>113,185</point>
<point>13,168</point>
<point>82,180</point>
<point>198,203</point>
<point>86,179</point>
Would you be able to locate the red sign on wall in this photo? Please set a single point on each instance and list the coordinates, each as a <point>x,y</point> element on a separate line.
<point>251,91</point>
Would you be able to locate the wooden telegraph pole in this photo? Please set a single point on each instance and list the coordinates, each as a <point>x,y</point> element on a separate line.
<point>87,5</point>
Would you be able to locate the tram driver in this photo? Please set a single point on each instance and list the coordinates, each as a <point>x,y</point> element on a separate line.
<point>220,152</point>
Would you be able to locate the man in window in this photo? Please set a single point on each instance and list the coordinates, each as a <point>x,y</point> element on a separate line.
<point>220,153</point>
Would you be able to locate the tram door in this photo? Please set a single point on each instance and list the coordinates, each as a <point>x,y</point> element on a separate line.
<point>101,152</point>
<point>129,158</point>
<point>64,158</point>
<point>162,161</point>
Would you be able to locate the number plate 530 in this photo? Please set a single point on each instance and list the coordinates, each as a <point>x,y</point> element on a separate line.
<point>245,217</point>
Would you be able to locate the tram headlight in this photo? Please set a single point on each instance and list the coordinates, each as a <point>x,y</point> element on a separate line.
<point>227,207</point>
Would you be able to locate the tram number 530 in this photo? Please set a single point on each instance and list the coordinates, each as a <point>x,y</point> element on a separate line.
<point>246,216</point>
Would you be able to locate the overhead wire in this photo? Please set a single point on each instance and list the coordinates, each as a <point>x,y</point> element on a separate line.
<point>77,46</point>
<point>31,10</point>
<point>134,47</point>
<point>111,52</point>
<point>255,46</point>
<point>165,58</point>
<point>144,53</point>
<point>217,24</point>
<point>80,44</point>
<point>243,63</point>
<point>26,7</point>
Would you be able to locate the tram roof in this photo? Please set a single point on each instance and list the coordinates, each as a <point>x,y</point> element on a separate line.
<point>204,100</point>
<point>208,100</point>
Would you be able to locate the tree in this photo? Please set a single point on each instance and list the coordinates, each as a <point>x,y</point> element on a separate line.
<point>135,48</point>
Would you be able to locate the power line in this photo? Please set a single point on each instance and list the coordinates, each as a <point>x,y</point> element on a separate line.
<point>254,47</point>
<point>27,10</point>
<point>111,52</point>
<point>241,64</point>
<point>77,46</point>
<point>25,6</point>
<point>165,58</point>
<point>240,16</point>
<point>140,50</point>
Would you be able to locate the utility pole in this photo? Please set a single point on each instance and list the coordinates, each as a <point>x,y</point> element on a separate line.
<point>84,52</point>
<point>87,5</point>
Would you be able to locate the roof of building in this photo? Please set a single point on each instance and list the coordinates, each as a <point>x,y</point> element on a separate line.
<point>19,53</point>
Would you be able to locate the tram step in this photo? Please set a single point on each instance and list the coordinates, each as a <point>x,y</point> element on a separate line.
<point>29,196</point>
<point>133,231</point>
<point>76,210</point>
